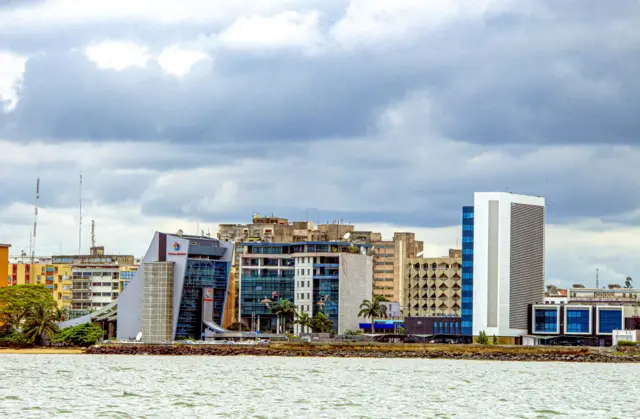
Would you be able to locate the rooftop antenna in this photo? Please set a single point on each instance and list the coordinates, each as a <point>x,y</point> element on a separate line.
<point>597,278</point>
<point>93,234</point>
<point>80,219</point>
<point>35,221</point>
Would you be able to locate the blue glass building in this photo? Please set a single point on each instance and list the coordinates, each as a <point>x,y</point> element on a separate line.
<point>467,270</point>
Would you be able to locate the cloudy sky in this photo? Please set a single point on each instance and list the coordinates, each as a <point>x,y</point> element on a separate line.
<point>384,113</point>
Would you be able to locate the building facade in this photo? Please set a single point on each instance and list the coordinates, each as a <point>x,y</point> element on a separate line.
<point>5,279</point>
<point>508,261</point>
<point>433,286</point>
<point>332,277</point>
<point>467,270</point>
<point>56,278</point>
<point>584,324</point>
<point>424,325</point>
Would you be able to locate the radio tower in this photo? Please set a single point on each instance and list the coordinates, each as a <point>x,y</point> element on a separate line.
<point>35,221</point>
<point>80,220</point>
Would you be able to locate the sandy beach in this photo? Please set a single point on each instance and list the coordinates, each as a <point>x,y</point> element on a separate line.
<point>42,351</point>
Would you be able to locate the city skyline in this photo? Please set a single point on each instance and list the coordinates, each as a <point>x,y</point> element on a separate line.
<point>388,121</point>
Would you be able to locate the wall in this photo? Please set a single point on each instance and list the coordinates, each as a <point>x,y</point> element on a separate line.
<point>157,308</point>
<point>356,285</point>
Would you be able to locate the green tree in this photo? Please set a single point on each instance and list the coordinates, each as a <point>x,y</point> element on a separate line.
<point>61,314</point>
<point>373,309</point>
<point>284,310</point>
<point>321,323</point>
<point>494,341</point>
<point>303,319</point>
<point>628,282</point>
<point>237,327</point>
<point>85,334</point>
<point>41,321</point>
<point>483,339</point>
<point>17,302</point>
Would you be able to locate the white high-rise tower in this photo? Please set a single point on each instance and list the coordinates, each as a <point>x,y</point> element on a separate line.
<point>508,261</point>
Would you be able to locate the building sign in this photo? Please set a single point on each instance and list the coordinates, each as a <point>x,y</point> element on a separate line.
<point>208,294</point>
<point>176,250</point>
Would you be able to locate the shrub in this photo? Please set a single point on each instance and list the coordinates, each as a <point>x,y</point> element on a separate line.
<point>85,334</point>
<point>15,340</point>
<point>626,343</point>
<point>483,339</point>
<point>353,332</point>
<point>494,341</point>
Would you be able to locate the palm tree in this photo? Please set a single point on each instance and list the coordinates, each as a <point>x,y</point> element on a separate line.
<point>41,321</point>
<point>321,323</point>
<point>373,309</point>
<point>61,314</point>
<point>283,309</point>
<point>627,282</point>
<point>303,319</point>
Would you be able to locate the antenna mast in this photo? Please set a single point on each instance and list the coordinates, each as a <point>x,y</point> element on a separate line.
<point>597,277</point>
<point>35,221</point>
<point>93,234</point>
<point>80,220</point>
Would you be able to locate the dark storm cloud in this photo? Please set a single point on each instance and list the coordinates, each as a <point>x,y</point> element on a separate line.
<point>512,80</point>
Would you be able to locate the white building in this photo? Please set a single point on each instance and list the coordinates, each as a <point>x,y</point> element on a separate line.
<point>508,261</point>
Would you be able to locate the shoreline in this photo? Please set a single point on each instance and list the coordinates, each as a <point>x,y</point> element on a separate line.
<point>356,350</point>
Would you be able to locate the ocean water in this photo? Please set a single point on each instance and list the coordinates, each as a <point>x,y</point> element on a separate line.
<point>88,386</point>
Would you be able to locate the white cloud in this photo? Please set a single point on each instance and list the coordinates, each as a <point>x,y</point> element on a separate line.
<point>382,21</point>
<point>177,61</point>
<point>117,55</point>
<point>62,13</point>
<point>288,29</point>
<point>11,72</point>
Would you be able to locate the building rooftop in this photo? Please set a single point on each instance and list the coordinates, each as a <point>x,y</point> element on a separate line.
<point>5,245</point>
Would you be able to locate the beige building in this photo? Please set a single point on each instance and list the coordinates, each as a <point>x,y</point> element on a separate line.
<point>389,261</point>
<point>433,286</point>
<point>280,230</point>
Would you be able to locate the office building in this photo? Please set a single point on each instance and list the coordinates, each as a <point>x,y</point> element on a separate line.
<point>508,262</point>
<point>582,324</point>
<point>332,277</point>
<point>467,271</point>
<point>196,285</point>
<point>433,286</point>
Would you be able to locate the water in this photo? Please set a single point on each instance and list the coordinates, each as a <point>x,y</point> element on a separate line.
<point>84,386</point>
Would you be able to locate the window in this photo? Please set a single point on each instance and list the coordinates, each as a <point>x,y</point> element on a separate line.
<point>308,271</point>
<point>308,283</point>
<point>546,320</point>
<point>577,321</point>
<point>609,320</point>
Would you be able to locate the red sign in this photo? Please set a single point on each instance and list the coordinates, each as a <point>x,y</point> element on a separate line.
<point>208,294</point>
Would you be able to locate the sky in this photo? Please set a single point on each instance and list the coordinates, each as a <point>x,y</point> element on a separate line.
<point>390,114</point>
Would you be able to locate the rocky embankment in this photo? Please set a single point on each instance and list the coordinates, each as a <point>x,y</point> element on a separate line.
<point>469,352</point>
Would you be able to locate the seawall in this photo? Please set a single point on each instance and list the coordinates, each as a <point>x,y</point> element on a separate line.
<point>359,350</point>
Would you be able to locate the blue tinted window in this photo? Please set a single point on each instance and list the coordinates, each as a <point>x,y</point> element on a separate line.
<point>610,320</point>
<point>545,321</point>
<point>577,321</point>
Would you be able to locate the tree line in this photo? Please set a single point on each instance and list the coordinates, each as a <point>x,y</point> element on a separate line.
<point>28,317</point>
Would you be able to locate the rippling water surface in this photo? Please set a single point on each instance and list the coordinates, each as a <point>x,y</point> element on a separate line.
<point>79,386</point>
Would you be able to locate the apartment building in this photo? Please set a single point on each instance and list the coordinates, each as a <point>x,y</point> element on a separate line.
<point>433,286</point>
<point>56,278</point>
